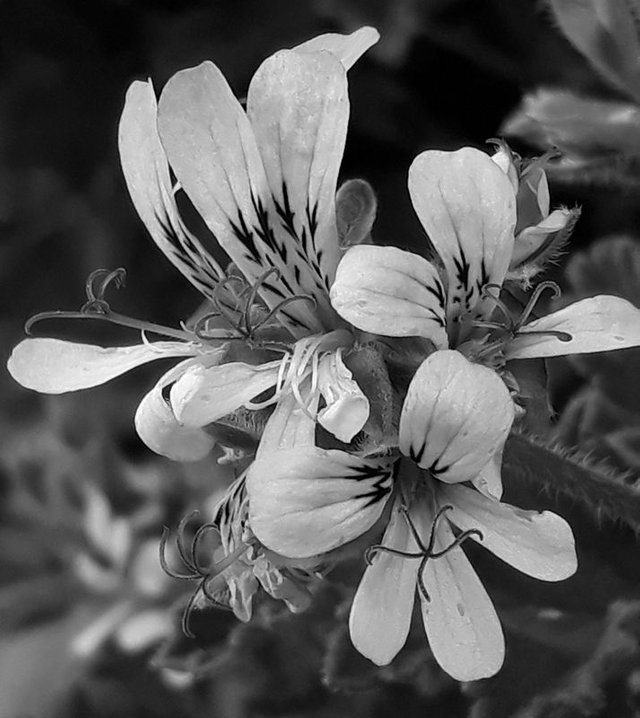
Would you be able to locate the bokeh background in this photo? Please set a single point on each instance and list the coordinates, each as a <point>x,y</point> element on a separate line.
<point>83,605</point>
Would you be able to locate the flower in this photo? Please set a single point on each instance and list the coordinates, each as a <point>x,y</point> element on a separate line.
<point>467,206</point>
<point>305,502</point>
<point>264,181</point>
<point>539,233</point>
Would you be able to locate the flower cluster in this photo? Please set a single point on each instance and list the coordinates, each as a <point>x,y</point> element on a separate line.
<point>387,449</point>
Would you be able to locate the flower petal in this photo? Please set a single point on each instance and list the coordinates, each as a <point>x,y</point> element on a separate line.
<point>597,324</point>
<point>456,416</point>
<point>213,151</point>
<point>347,408</point>
<point>204,395</point>
<point>307,501</point>
<point>467,205</point>
<point>347,48</point>
<point>539,544</point>
<point>460,621</point>
<point>299,109</point>
<point>146,172</point>
<point>532,240</point>
<point>54,366</point>
<point>380,615</point>
<point>489,480</point>
<point>391,292</point>
<point>158,427</point>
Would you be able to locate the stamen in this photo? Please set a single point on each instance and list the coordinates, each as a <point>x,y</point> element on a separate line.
<point>486,294</point>
<point>190,559</point>
<point>97,307</point>
<point>426,552</point>
<point>533,300</point>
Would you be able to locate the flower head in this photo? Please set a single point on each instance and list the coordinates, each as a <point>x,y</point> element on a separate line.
<point>264,181</point>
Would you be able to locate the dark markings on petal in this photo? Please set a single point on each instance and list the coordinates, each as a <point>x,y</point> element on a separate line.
<point>438,292</point>
<point>381,486</point>
<point>201,272</point>
<point>285,212</point>
<point>437,470</point>
<point>312,220</point>
<point>245,235</point>
<point>417,455</point>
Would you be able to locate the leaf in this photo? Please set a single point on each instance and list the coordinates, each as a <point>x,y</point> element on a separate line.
<point>577,125</point>
<point>549,467</point>
<point>606,33</point>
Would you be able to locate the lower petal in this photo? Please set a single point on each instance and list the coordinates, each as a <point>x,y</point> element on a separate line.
<point>597,324</point>
<point>539,544</point>
<point>381,610</point>
<point>460,621</point>
<point>54,366</point>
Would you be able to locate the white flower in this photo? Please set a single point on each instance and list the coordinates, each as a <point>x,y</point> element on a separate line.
<point>304,502</point>
<point>264,182</point>
<point>467,206</point>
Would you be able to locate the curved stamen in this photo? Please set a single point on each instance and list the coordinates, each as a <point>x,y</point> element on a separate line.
<point>561,336</point>
<point>253,295</point>
<point>281,305</point>
<point>486,294</point>
<point>426,552</point>
<point>199,573</point>
<point>533,300</point>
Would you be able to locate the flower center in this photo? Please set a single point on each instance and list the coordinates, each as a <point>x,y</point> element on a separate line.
<point>425,552</point>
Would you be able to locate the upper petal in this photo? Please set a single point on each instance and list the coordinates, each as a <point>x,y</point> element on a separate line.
<point>467,205</point>
<point>298,106</point>
<point>204,395</point>
<point>306,501</point>
<point>460,621</point>
<point>380,615</point>
<point>146,172</point>
<point>54,366</point>
<point>391,292</point>
<point>539,544</point>
<point>347,48</point>
<point>212,149</point>
<point>455,417</point>
<point>596,324</point>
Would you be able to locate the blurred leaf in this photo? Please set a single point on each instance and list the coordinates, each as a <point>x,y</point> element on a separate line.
<point>606,33</point>
<point>576,125</point>
<point>37,667</point>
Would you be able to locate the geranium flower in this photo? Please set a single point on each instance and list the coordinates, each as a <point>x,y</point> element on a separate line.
<point>264,181</point>
<point>467,206</point>
<point>305,502</point>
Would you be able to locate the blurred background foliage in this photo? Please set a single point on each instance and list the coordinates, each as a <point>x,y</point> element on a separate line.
<point>89,626</point>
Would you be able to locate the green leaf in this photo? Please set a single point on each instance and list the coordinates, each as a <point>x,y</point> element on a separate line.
<point>547,466</point>
<point>606,33</point>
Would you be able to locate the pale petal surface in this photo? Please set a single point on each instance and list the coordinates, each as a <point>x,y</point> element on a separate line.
<point>298,106</point>
<point>204,395</point>
<point>539,544</point>
<point>455,417</point>
<point>146,171</point>
<point>305,501</point>
<point>347,408</point>
<point>380,615</point>
<point>391,292</point>
<point>597,324</point>
<point>347,48</point>
<point>158,427</point>
<point>467,206</point>
<point>461,624</point>
<point>211,147</point>
<point>55,366</point>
